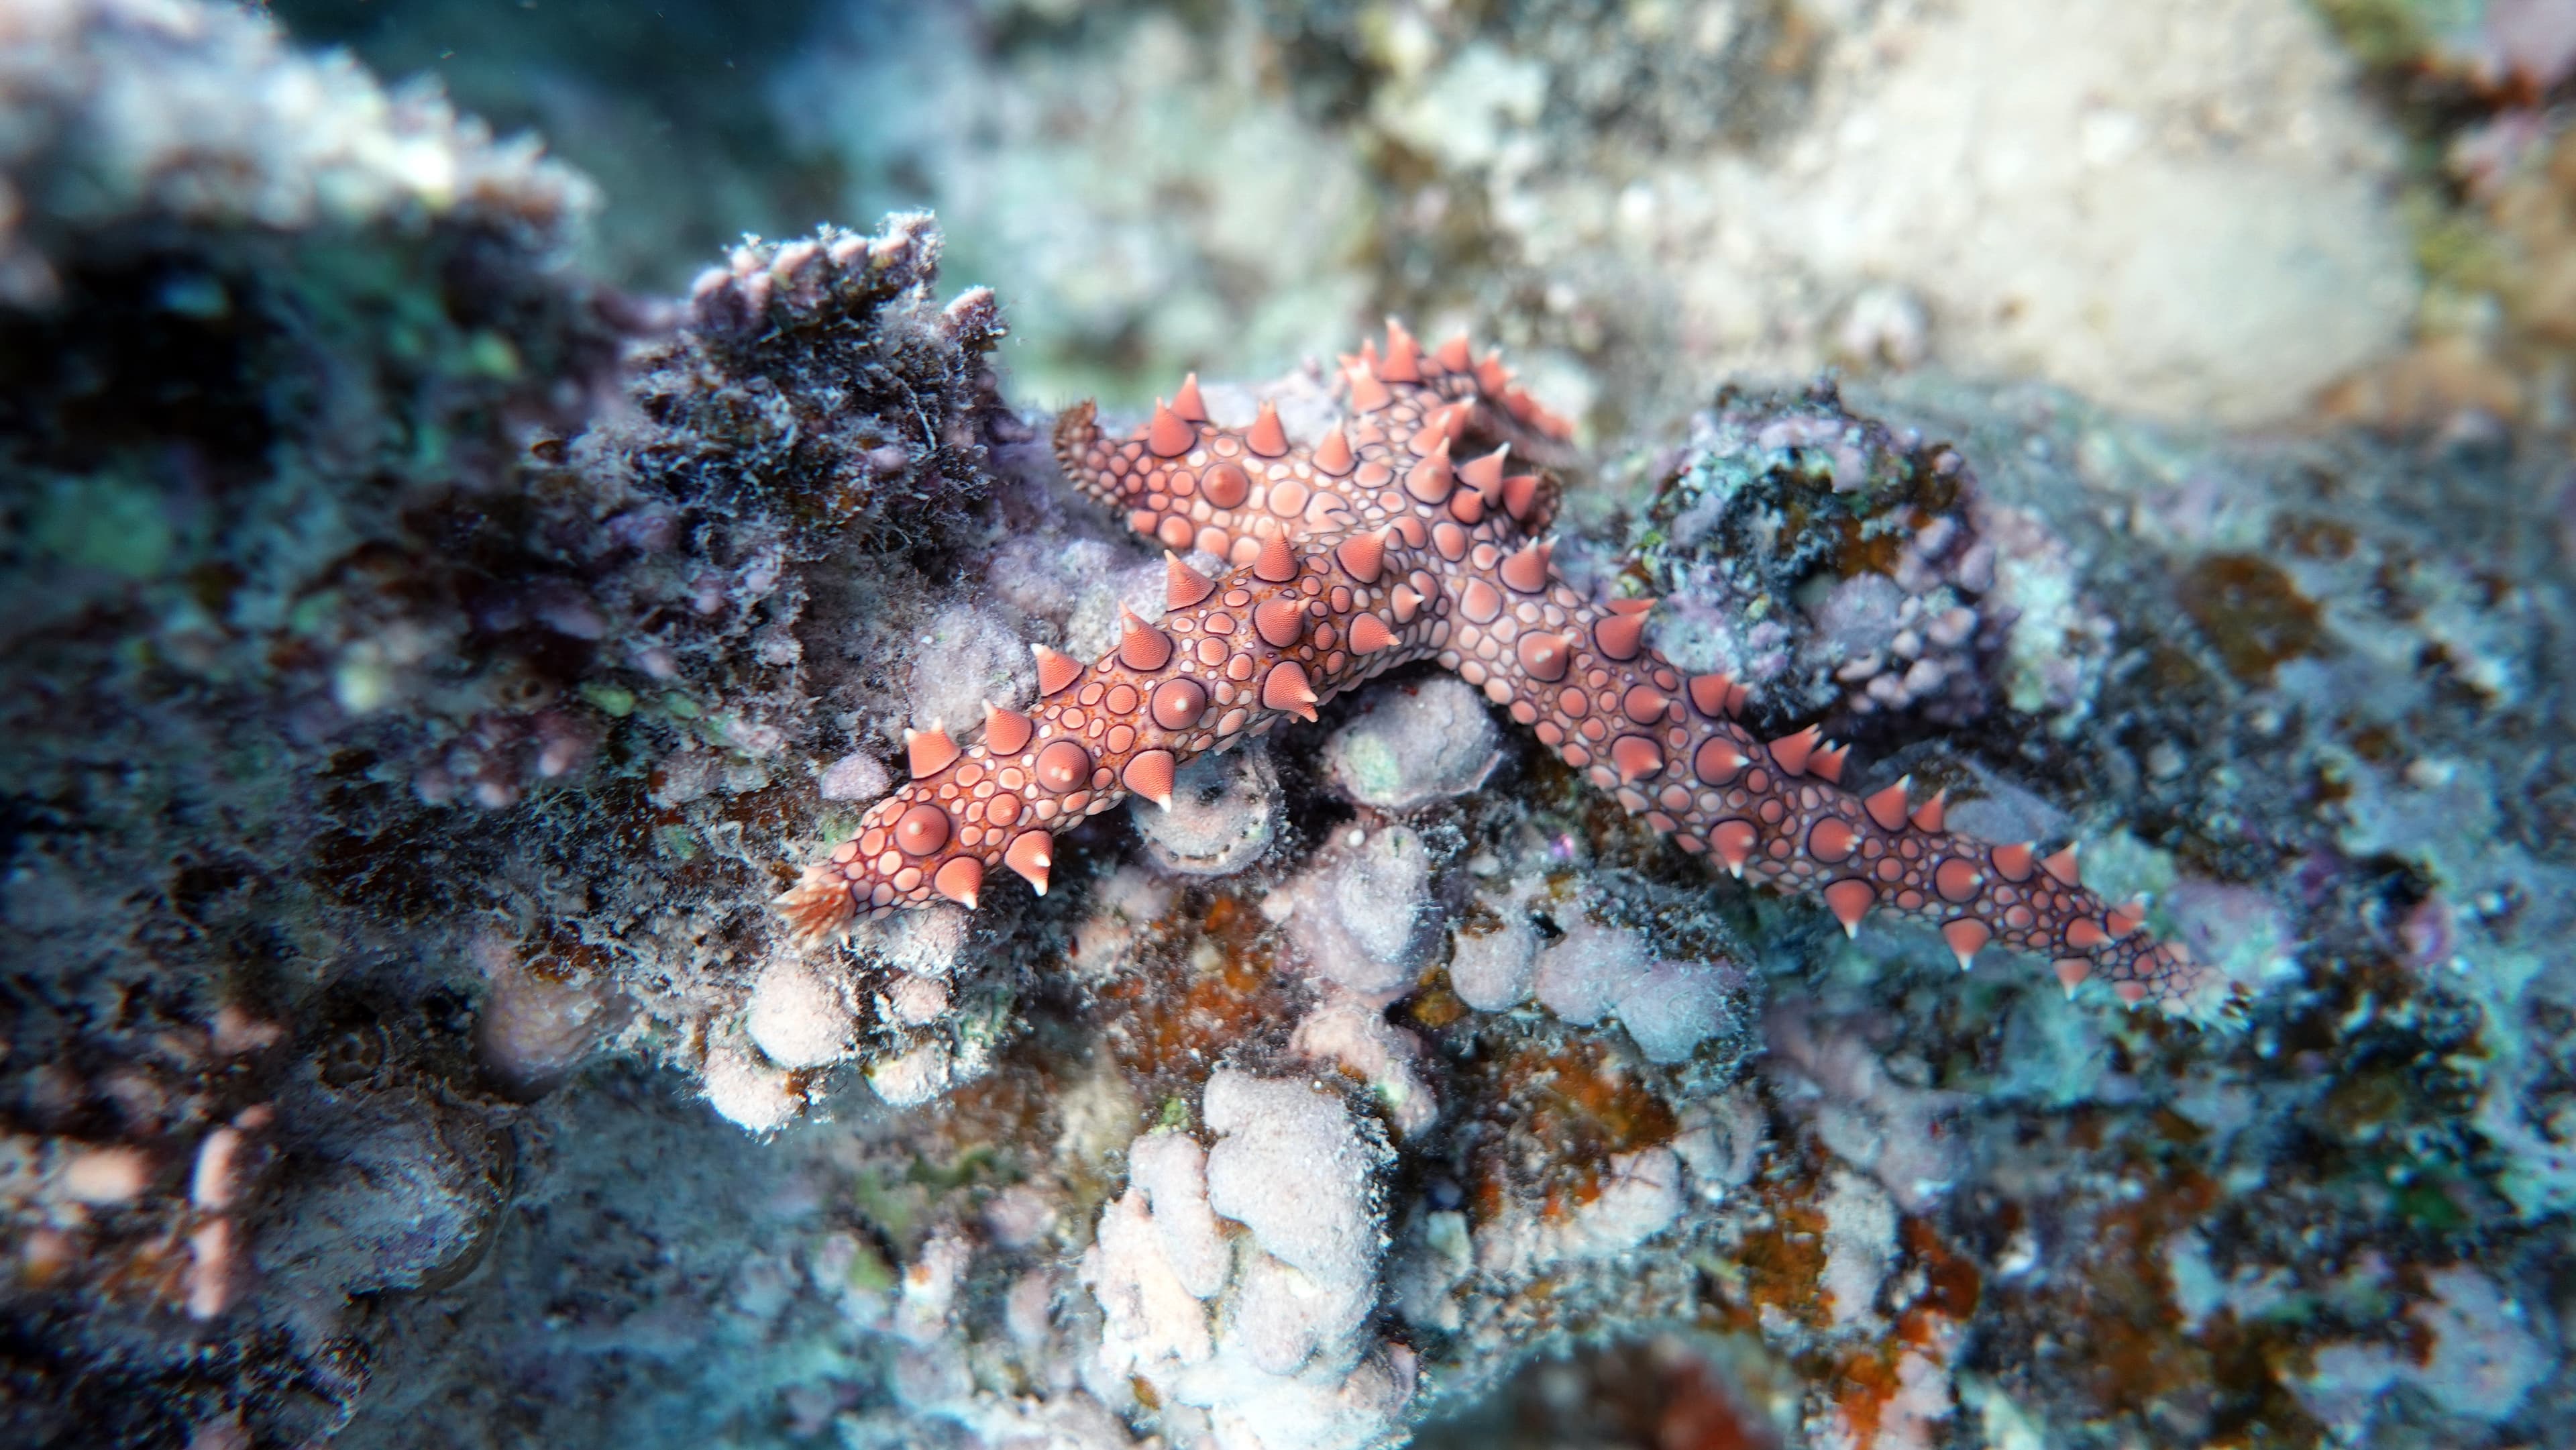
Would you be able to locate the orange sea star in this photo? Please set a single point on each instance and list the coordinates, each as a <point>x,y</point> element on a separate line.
<point>1403,534</point>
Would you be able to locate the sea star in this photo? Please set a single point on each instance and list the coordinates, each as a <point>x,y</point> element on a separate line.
<point>1369,548</point>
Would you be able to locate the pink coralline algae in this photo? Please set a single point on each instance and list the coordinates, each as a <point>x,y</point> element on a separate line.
<point>1406,532</point>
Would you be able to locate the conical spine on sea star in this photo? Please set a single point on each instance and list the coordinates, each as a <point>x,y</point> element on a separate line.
<point>1388,529</point>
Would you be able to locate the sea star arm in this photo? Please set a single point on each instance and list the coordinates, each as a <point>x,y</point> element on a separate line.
<point>1188,484</point>
<point>1339,579</point>
<point>1670,749</point>
<point>1228,658</point>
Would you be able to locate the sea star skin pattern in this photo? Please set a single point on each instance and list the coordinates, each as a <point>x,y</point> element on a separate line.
<point>1375,546</point>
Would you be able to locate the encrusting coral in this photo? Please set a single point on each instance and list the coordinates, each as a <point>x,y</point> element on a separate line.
<point>1403,533</point>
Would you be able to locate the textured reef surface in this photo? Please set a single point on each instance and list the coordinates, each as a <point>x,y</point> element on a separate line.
<point>589,869</point>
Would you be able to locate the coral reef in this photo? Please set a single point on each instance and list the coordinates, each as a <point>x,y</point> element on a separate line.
<point>1874,1214</point>
<point>2188,209</point>
<point>1410,746</point>
<point>1291,1364</point>
<point>1222,816</point>
<point>381,590</point>
<point>694,152</point>
<point>1780,494</point>
<point>427,664</point>
<point>2481,91</point>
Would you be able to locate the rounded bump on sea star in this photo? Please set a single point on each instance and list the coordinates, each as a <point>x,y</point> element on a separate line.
<point>1635,757</point>
<point>960,879</point>
<point>1368,394</point>
<point>1966,937</point>
<point>1032,854</point>
<point>1006,732</point>
<point>1431,479</point>
<point>1792,752</point>
<point>1277,562</point>
<point>928,752</point>
<point>1526,571</point>
<point>1362,556</point>
<point>1279,622</point>
<point>1285,688</point>
<point>1055,671</point>
<point>1619,635</point>
<point>1850,900</point>
<point>1183,586</point>
<point>1142,647</point>
<point>1333,457</point>
<point>1887,807</point>
<point>1403,355</point>
<point>921,830</point>
<point>1169,435</point>
<point>1064,766</point>
<point>1150,775</point>
<point>2013,863</point>
<point>1178,705</point>
<point>1267,438</point>
<point>2062,867</point>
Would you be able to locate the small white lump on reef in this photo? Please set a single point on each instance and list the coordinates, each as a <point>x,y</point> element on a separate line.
<point>857,776</point>
<point>1668,1007</point>
<point>1158,1256</point>
<point>1363,914</point>
<point>1415,743</point>
<point>750,1093</point>
<point>796,1018</point>
<point>916,1001</point>
<point>1348,1032</point>
<point>1493,955</point>
<point>1261,1342</point>
<point>923,943</point>
<point>968,656</point>
<point>1224,814</point>
<point>912,1077</point>
<point>1291,1164</point>
<point>538,1025</point>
